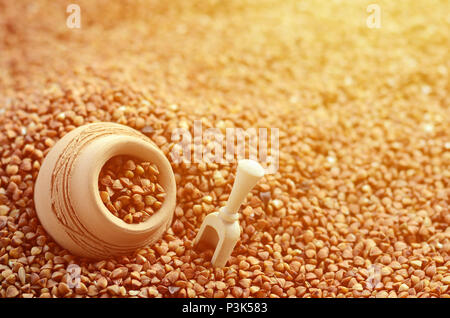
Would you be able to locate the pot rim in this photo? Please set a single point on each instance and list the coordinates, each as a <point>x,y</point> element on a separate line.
<point>123,145</point>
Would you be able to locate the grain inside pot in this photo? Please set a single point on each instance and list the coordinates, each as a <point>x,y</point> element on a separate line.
<point>360,204</point>
<point>129,188</point>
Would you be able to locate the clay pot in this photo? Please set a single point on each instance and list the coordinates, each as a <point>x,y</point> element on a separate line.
<point>68,202</point>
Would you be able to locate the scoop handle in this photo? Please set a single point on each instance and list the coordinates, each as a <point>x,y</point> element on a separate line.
<point>248,174</point>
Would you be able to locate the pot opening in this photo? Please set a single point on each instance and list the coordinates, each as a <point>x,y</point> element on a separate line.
<point>130,188</point>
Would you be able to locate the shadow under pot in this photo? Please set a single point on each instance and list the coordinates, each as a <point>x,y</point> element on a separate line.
<point>67,198</point>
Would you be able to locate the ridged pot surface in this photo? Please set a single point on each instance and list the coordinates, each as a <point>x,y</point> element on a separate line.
<point>67,198</point>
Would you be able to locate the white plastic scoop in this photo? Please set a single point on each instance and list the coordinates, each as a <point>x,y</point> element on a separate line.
<point>221,229</point>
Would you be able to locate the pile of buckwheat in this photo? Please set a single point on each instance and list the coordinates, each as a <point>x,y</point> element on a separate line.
<point>129,188</point>
<point>359,206</point>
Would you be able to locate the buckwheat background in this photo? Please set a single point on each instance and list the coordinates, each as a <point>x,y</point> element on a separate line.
<point>360,204</point>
